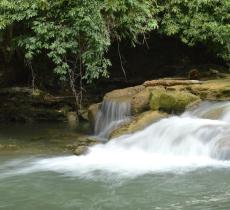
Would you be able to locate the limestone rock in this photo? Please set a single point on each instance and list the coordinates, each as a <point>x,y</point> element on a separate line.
<point>125,93</point>
<point>169,82</point>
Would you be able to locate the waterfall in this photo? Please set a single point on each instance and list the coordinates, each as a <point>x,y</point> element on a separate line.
<point>210,110</point>
<point>110,116</point>
<point>178,143</point>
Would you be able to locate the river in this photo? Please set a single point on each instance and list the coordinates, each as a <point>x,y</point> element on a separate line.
<point>176,163</point>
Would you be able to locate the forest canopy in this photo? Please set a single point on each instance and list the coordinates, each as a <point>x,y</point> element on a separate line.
<point>75,35</point>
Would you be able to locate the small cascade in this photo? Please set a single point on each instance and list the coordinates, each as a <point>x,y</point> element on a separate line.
<point>211,110</point>
<point>226,115</point>
<point>110,116</point>
<point>177,143</point>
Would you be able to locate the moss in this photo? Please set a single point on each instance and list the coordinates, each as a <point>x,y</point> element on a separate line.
<point>167,101</point>
<point>171,101</point>
<point>155,98</point>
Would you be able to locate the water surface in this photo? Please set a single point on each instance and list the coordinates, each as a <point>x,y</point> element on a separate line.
<point>176,163</point>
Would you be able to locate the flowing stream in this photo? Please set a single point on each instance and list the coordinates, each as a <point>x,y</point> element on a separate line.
<point>181,162</point>
<point>110,115</point>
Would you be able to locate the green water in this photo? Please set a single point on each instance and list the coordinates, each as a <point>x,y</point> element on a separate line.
<point>204,188</point>
<point>37,138</point>
<point>201,189</point>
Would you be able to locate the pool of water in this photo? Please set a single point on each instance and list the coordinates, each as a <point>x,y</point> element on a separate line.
<point>37,137</point>
<point>178,163</point>
<point>206,188</point>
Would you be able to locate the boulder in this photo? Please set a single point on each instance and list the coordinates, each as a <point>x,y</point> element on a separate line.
<point>138,123</point>
<point>171,101</point>
<point>92,113</point>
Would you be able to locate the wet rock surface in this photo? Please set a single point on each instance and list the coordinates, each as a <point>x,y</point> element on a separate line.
<point>138,123</point>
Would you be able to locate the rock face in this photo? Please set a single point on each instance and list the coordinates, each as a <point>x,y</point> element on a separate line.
<point>138,123</point>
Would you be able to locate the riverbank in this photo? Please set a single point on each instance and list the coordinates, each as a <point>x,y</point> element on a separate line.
<point>40,138</point>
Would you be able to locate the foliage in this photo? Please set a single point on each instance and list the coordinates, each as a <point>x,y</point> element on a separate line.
<point>198,21</point>
<point>76,34</point>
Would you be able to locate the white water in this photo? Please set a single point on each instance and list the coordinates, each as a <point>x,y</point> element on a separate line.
<point>110,116</point>
<point>175,144</point>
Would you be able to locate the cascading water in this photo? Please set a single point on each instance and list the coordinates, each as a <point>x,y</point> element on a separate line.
<point>211,110</point>
<point>183,142</point>
<point>110,116</point>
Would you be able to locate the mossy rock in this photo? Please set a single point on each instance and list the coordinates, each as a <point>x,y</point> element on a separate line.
<point>171,101</point>
<point>155,98</point>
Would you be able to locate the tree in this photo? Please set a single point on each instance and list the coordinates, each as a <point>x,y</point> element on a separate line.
<point>198,21</point>
<point>76,34</point>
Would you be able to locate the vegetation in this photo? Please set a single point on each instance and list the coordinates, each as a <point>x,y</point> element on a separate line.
<point>75,35</point>
<point>198,21</point>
